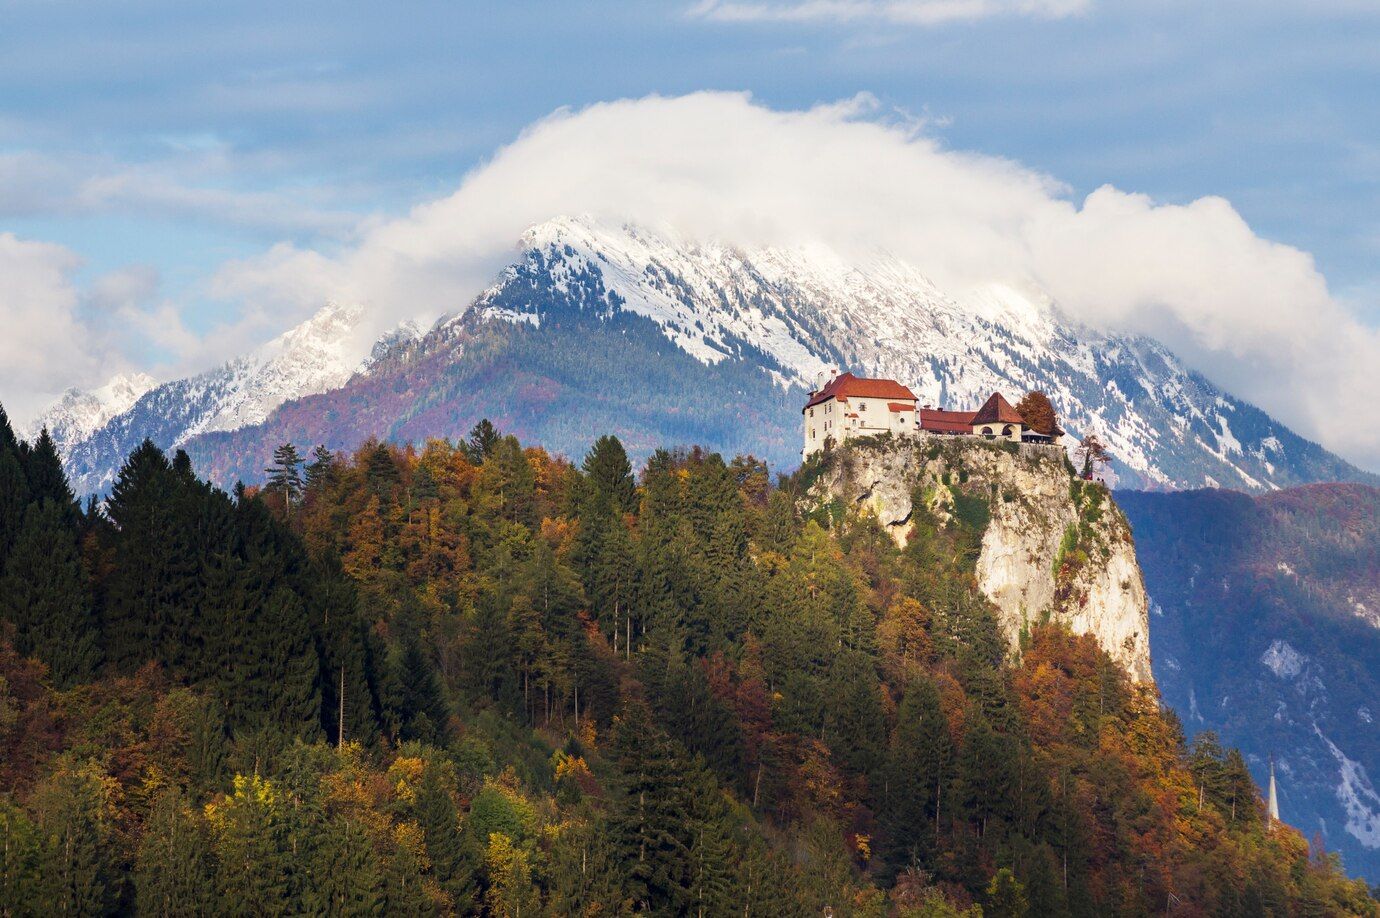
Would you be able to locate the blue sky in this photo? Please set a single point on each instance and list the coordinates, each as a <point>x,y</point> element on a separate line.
<point>155,141</point>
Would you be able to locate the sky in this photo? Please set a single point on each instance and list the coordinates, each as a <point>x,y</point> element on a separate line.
<point>179,182</point>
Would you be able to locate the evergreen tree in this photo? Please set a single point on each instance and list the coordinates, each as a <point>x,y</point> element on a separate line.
<point>423,716</point>
<point>653,825</point>
<point>80,874</point>
<point>173,871</point>
<point>285,476</point>
<point>149,595</point>
<point>918,772</point>
<point>14,498</point>
<point>20,853</point>
<point>608,479</point>
<point>321,470</point>
<point>47,480</point>
<point>43,592</point>
<point>451,859</point>
<point>480,445</point>
<point>348,879</point>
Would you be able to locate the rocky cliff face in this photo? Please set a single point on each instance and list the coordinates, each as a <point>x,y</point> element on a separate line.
<point>1053,548</point>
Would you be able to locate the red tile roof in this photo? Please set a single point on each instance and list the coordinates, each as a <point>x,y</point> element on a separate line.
<point>896,406</point>
<point>841,387</point>
<point>940,421</point>
<point>997,410</point>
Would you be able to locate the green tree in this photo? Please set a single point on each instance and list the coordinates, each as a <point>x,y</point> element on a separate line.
<point>451,860</point>
<point>173,870</point>
<point>285,476</point>
<point>47,480</point>
<point>918,772</point>
<point>20,853</point>
<point>1006,896</point>
<point>80,872</point>
<point>43,591</point>
<point>481,442</point>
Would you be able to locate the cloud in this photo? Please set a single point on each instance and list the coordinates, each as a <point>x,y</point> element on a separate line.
<point>43,348</point>
<point>1254,315</point>
<point>903,12</point>
<point>37,184</point>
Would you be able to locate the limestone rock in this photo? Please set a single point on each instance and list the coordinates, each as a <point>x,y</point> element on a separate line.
<point>1055,549</point>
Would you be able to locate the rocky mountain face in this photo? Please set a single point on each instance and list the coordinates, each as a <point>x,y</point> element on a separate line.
<point>1053,547</point>
<point>1265,629</point>
<point>80,413</point>
<point>598,328</point>
<point>313,357</point>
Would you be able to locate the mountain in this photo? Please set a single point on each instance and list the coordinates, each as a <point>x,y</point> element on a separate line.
<point>317,355</point>
<point>79,413</point>
<point>1266,628</point>
<point>661,339</point>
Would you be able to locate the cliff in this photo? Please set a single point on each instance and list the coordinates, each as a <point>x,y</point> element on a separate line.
<point>1053,548</point>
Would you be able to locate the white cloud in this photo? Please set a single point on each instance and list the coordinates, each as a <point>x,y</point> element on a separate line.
<point>42,348</point>
<point>906,12</point>
<point>32,183</point>
<point>1256,316</point>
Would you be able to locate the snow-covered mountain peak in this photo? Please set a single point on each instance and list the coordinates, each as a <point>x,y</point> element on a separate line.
<point>789,314</point>
<point>80,412</point>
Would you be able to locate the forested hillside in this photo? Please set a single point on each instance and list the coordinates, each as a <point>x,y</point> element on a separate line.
<point>478,679</point>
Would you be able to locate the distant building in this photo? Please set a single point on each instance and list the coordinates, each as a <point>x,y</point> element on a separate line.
<point>851,406</point>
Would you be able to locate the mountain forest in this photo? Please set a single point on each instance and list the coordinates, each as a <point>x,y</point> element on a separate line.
<point>479,678</point>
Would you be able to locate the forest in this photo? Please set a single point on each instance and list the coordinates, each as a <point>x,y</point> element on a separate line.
<point>477,678</point>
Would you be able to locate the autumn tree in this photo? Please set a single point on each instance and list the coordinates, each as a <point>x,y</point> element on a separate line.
<point>1037,412</point>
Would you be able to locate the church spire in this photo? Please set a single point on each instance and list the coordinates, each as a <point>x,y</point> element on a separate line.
<point>1274,798</point>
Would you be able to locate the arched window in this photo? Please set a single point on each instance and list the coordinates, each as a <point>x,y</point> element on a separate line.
<point>987,432</point>
<point>1006,431</point>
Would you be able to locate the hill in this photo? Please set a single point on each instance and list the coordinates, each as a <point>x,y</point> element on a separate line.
<point>476,679</point>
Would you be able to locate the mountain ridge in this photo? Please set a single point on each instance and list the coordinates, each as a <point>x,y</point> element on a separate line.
<point>783,317</point>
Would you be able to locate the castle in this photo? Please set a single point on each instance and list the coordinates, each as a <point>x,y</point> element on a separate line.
<point>851,406</point>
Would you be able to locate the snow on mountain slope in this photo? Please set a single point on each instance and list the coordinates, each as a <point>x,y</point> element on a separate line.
<point>789,315</point>
<point>80,413</point>
<point>319,354</point>
<point>802,312</point>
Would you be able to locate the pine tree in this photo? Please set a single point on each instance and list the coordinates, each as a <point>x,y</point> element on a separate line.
<point>43,592</point>
<point>75,815</point>
<point>918,773</point>
<point>173,868</point>
<point>47,480</point>
<point>321,470</point>
<point>20,853</point>
<point>150,595</point>
<point>14,499</point>
<point>451,859</point>
<point>483,437</point>
<point>285,476</point>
